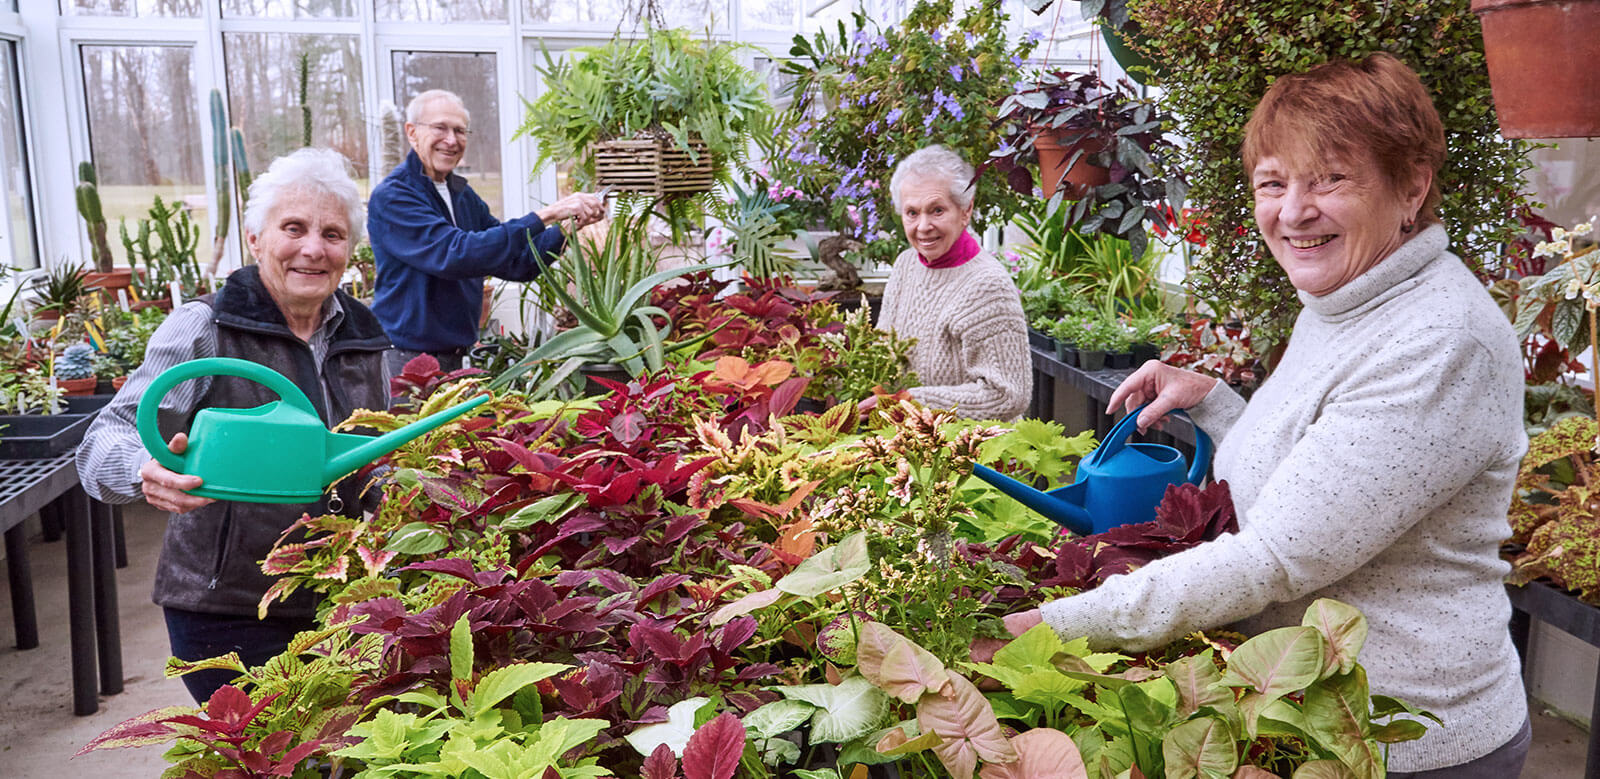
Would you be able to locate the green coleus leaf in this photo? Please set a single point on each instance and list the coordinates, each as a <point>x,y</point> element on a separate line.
<point>460,658</point>
<point>1277,662</point>
<point>543,510</point>
<point>829,569</point>
<point>1203,747</point>
<point>416,538</point>
<point>844,711</point>
<point>227,662</point>
<point>389,735</point>
<point>503,682</point>
<point>560,735</point>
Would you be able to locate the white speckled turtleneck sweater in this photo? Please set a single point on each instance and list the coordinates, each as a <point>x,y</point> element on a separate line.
<point>1375,467</point>
<point>972,339</point>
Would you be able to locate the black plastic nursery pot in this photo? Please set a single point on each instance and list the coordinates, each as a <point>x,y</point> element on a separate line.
<point>37,436</point>
<point>1091,359</point>
<point>1039,340</point>
<point>1119,360</point>
<point>603,370</point>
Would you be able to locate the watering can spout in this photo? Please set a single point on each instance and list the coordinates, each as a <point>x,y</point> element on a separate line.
<point>1059,505</point>
<point>346,453</point>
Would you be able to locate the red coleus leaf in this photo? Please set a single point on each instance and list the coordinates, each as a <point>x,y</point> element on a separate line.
<point>713,751</point>
<point>661,764</point>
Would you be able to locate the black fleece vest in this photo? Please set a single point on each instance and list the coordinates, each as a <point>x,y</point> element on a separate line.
<point>210,561</point>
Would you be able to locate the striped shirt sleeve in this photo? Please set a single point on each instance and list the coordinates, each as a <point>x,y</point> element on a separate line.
<point>111,453</point>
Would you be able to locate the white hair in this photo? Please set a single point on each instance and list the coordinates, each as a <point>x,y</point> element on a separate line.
<point>939,164</point>
<point>309,170</point>
<point>414,108</point>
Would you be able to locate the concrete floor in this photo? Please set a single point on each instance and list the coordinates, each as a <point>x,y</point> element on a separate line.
<point>39,734</point>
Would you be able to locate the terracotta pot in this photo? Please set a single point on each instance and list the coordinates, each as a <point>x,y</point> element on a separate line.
<point>1541,56</point>
<point>120,278</point>
<point>165,304</point>
<point>117,382</point>
<point>77,386</point>
<point>47,314</point>
<point>1053,157</point>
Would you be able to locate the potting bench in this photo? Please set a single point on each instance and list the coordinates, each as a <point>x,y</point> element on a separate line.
<point>1097,387</point>
<point>50,486</point>
<point>1564,611</point>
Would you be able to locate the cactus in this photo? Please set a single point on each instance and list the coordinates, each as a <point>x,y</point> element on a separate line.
<point>93,216</point>
<point>219,164</point>
<point>170,256</point>
<point>77,362</point>
<point>305,94</point>
<point>392,135</point>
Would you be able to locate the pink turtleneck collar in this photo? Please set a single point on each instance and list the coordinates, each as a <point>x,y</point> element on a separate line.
<point>966,248</point>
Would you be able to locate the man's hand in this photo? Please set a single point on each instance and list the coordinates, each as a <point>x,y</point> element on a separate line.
<point>585,208</point>
<point>165,489</point>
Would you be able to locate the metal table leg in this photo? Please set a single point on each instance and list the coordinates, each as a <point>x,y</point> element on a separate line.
<point>80,599</point>
<point>120,535</point>
<point>20,575</point>
<point>50,522</point>
<point>108,631</point>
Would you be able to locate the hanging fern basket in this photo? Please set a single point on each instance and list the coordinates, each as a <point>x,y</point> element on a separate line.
<point>654,166</point>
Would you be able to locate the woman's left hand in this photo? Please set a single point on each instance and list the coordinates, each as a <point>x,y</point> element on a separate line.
<point>1023,621</point>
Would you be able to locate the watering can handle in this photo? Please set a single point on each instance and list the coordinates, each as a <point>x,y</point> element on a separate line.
<point>1125,427</point>
<point>150,402</point>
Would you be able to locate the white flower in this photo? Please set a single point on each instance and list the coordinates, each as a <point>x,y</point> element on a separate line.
<point>1573,288</point>
<point>1558,234</point>
<point>1583,228</point>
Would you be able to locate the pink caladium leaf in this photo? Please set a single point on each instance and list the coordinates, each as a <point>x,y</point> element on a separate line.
<point>965,721</point>
<point>714,749</point>
<point>1042,753</point>
<point>895,665</point>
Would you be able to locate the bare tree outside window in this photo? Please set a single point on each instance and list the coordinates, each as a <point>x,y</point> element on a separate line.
<point>264,95</point>
<point>19,249</point>
<point>289,9</point>
<point>776,15</point>
<point>435,11</point>
<point>472,75</point>
<point>630,14</point>
<point>150,8</point>
<point>144,131</point>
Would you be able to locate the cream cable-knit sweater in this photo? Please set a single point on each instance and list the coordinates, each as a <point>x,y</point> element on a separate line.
<point>1375,466</point>
<point>971,353</point>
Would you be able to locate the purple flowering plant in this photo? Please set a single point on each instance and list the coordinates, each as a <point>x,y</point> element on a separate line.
<point>865,98</point>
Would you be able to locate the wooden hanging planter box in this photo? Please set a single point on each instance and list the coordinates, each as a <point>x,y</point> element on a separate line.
<point>654,166</point>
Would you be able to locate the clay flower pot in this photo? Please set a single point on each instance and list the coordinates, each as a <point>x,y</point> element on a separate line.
<point>1053,158</point>
<point>71,387</point>
<point>1541,56</point>
<point>119,278</point>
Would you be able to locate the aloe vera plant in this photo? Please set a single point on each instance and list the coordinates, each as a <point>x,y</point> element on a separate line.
<point>604,285</point>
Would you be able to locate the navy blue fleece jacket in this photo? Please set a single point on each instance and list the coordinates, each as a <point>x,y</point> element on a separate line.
<point>429,290</point>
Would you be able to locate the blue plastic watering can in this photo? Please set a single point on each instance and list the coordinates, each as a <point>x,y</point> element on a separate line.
<point>1118,483</point>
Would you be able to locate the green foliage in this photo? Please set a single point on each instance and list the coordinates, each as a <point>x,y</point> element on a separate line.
<point>88,193</point>
<point>1217,59</point>
<point>165,244</point>
<point>608,281</point>
<point>62,289</point>
<point>754,226</point>
<point>866,98</point>
<point>219,169</point>
<point>869,359</point>
<point>665,83</point>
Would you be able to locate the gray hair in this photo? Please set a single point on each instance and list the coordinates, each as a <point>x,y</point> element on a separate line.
<point>938,163</point>
<point>414,108</point>
<point>309,170</point>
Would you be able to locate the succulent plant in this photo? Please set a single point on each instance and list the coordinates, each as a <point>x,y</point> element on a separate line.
<point>77,362</point>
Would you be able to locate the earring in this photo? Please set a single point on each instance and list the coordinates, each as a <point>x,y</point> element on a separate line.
<point>1408,225</point>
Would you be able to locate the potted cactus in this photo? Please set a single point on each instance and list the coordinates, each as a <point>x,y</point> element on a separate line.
<point>74,370</point>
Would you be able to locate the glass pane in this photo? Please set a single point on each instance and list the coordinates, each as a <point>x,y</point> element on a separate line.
<point>144,133</point>
<point>17,242</point>
<point>777,15</point>
<point>471,75</point>
<point>176,8</point>
<point>434,11</point>
<point>290,9</point>
<point>693,14</point>
<point>264,95</point>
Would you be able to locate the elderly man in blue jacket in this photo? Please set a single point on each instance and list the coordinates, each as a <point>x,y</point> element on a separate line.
<point>434,239</point>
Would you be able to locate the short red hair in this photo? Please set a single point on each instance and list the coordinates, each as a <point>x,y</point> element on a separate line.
<point>1375,109</point>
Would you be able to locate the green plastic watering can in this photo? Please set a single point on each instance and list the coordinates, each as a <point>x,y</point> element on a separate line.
<point>1118,483</point>
<point>278,452</point>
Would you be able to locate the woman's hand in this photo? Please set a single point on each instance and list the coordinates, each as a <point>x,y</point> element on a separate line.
<point>164,489</point>
<point>1023,621</point>
<point>1163,387</point>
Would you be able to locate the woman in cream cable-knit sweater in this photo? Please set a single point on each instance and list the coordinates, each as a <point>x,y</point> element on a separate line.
<point>957,300</point>
<point>1376,464</point>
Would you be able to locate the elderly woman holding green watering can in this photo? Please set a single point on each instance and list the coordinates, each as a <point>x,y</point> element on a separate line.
<point>285,312</point>
<point>1376,465</point>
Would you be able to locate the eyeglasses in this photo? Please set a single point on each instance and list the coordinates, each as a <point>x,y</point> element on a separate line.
<point>441,129</point>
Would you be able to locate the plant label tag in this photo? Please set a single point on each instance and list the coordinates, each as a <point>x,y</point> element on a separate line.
<point>122,299</point>
<point>176,292</point>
